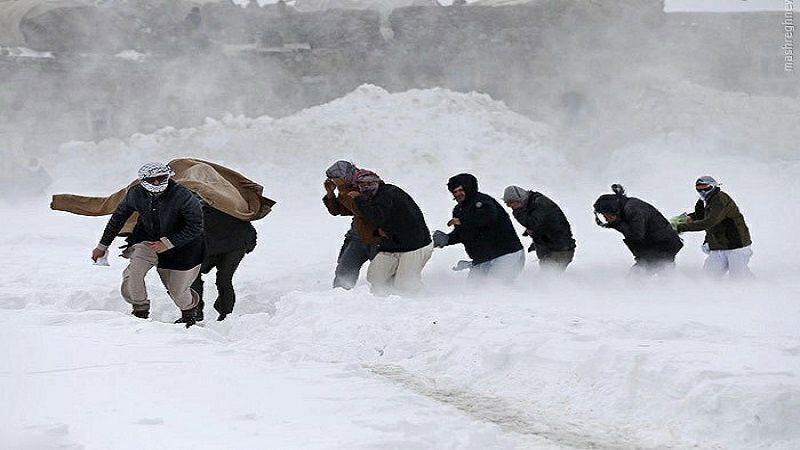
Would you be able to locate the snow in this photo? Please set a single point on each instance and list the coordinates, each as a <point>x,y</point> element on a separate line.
<point>590,359</point>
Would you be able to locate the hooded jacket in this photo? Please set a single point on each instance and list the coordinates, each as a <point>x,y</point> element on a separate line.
<point>722,221</point>
<point>647,232</point>
<point>546,224</point>
<point>175,217</point>
<point>394,212</point>
<point>486,229</point>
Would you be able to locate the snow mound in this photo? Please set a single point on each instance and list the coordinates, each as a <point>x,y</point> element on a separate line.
<point>427,133</point>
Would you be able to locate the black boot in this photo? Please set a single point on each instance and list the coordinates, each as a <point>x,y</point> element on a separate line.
<point>187,317</point>
<point>142,313</point>
<point>221,317</point>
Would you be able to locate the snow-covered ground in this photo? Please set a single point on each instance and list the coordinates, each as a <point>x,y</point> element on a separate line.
<point>586,360</point>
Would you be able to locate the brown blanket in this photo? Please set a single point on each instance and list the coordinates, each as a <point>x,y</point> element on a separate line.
<point>218,186</point>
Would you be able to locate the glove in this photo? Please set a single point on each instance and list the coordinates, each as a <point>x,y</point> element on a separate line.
<point>677,221</point>
<point>462,265</point>
<point>440,239</point>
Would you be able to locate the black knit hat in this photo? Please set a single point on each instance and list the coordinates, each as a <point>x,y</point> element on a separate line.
<point>608,203</point>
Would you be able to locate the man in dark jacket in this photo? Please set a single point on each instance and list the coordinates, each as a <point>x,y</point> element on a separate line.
<point>546,224</point>
<point>168,235</point>
<point>361,240</point>
<point>648,234</point>
<point>405,246</point>
<point>481,224</point>
<point>228,239</point>
<point>727,242</point>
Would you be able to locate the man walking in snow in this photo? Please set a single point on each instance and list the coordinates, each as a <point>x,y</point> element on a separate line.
<point>546,224</point>
<point>168,235</point>
<point>405,245</point>
<point>481,224</point>
<point>648,234</point>
<point>727,241</point>
<point>361,240</point>
<point>228,240</point>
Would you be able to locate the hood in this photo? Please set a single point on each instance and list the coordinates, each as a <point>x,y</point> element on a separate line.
<point>465,180</point>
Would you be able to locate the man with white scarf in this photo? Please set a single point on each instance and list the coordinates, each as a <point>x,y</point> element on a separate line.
<point>727,241</point>
<point>168,235</point>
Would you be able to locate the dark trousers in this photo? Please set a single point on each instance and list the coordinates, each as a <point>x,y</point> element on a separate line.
<point>226,265</point>
<point>352,256</point>
<point>556,261</point>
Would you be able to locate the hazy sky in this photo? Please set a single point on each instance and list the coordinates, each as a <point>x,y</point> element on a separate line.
<point>724,5</point>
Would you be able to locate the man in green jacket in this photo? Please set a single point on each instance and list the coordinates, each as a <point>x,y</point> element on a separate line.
<point>727,242</point>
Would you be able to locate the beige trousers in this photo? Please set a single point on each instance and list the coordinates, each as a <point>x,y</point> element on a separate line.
<point>141,259</point>
<point>399,272</point>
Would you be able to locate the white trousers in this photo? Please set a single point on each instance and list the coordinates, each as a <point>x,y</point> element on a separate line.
<point>503,268</point>
<point>398,272</point>
<point>734,262</point>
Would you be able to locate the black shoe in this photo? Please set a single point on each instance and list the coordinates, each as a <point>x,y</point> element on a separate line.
<point>221,317</point>
<point>142,314</point>
<point>198,314</point>
<point>187,317</point>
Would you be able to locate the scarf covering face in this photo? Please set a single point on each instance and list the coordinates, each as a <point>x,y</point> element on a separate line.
<point>711,182</point>
<point>152,170</point>
<point>367,181</point>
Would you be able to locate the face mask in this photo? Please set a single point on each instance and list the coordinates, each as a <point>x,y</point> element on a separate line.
<point>704,193</point>
<point>155,188</point>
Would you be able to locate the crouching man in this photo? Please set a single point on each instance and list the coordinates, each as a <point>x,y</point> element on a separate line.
<point>648,234</point>
<point>546,224</point>
<point>228,240</point>
<point>168,235</point>
<point>483,226</point>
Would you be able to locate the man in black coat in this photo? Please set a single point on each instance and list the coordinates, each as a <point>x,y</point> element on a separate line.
<point>405,246</point>
<point>168,235</point>
<point>228,239</point>
<point>546,224</point>
<point>648,234</point>
<point>483,226</point>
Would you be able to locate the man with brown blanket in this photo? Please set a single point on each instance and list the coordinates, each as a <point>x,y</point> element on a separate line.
<point>168,235</point>
<point>226,195</point>
<point>361,240</point>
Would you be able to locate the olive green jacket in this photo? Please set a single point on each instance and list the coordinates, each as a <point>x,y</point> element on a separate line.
<point>720,218</point>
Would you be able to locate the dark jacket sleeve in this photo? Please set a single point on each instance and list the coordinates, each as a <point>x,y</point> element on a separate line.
<point>121,215</point>
<point>717,212</point>
<point>335,207</point>
<point>634,227</point>
<point>376,210</point>
<point>192,212</point>
<point>699,211</point>
<point>454,237</point>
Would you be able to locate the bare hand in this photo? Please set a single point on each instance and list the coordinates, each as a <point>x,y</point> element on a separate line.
<point>454,221</point>
<point>157,246</point>
<point>329,186</point>
<point>97,253</point>
<point>354,194</point>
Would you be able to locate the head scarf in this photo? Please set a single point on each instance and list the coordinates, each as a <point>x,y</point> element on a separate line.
<point>152,170</point>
